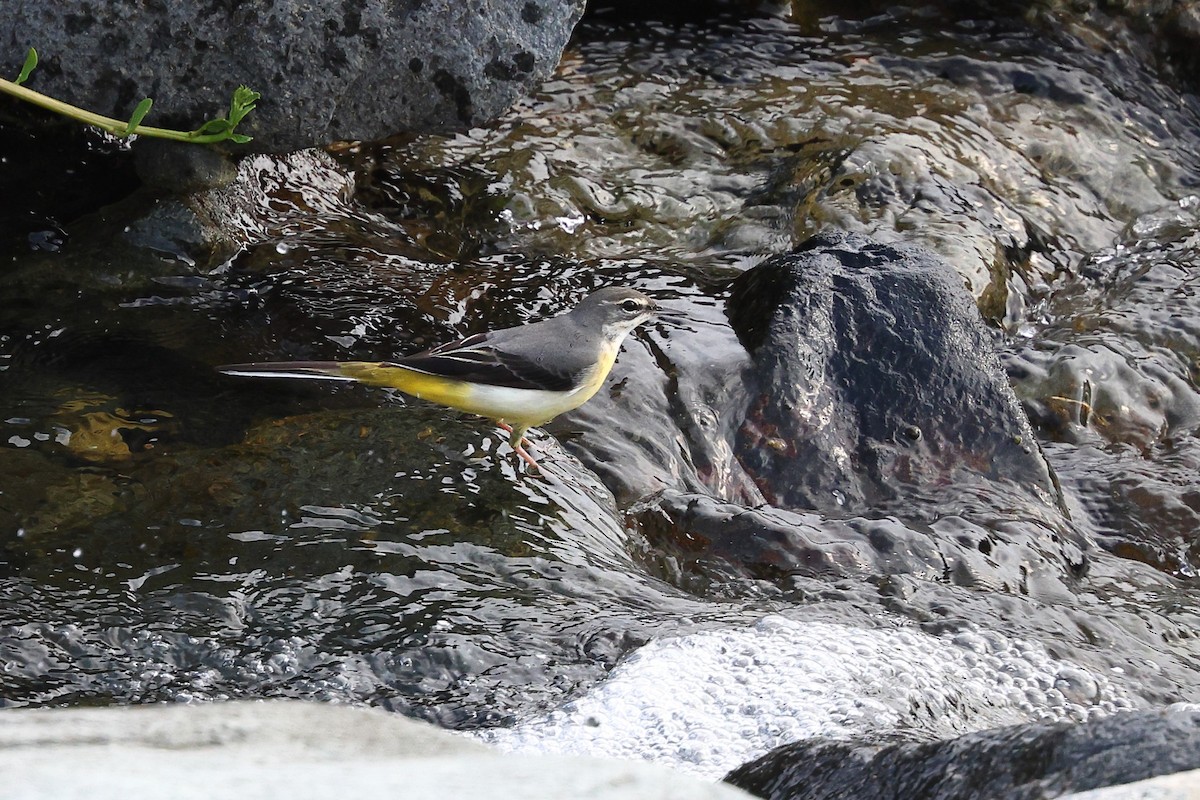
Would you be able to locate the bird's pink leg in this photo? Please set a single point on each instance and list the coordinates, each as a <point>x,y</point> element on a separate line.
<point>504,426</point>
<point>517,440</point>
<point>528,458</point>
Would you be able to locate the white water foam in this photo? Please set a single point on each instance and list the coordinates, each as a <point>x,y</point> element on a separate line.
<point>708,702</point>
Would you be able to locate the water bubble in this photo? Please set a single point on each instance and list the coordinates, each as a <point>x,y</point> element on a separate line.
<point>570,224</point>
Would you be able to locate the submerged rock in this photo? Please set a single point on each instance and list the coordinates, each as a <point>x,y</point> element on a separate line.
<point>1027,761</point>
<point>326,71</point>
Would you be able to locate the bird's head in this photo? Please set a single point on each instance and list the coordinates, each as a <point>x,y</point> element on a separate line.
<point>615,311</point>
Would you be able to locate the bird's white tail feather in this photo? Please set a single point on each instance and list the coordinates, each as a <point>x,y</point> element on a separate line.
<point>307,370</point>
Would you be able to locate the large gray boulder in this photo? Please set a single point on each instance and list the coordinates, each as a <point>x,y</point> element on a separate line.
<point>355,69</point>
<point>295,750</point>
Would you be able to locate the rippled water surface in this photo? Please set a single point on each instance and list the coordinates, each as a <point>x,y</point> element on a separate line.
<point>169,534</point>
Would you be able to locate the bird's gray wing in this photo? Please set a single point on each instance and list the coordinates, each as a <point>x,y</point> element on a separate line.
<point>488,358</point>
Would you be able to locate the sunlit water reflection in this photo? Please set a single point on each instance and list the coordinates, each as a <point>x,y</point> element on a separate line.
<point>173,535</point>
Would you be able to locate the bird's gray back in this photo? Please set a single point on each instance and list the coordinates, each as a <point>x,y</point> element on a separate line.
<point>560,345</point>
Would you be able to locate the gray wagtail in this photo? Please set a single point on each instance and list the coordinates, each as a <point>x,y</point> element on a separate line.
<point>520,377</point>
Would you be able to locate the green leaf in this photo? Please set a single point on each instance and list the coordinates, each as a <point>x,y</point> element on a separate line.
<point>221,129</point>
<point>242,103</point>
<point>214,127</point>
<point>30,63</point>
<point>139,114</point>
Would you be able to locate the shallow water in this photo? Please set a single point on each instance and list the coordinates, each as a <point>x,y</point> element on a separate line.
<point>169,534</point>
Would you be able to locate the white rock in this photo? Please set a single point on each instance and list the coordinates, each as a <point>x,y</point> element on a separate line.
<point>295,750</point>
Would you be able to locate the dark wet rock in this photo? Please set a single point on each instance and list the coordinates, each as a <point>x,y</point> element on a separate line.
<point>1017,763</point>
<point>171,226</point>
<point>714,539</point>
<point>326,71</point>
<point>183,170</point>
<point>874,382</point>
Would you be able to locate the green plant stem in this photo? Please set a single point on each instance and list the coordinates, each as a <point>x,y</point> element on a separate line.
<point>114,126</point>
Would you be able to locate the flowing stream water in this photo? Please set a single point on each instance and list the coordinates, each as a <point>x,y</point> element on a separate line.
<point>169,534</point>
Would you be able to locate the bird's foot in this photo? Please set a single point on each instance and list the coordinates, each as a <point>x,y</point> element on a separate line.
<point>504,426</point>
<point>528,459</point>
<point>518,442</point>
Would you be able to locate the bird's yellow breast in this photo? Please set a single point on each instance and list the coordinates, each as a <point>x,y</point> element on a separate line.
<point>592,382</point>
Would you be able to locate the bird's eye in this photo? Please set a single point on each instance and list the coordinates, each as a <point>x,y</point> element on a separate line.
<point>631,306</point>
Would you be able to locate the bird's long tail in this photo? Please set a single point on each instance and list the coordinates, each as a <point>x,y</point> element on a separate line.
<point>319,370</point>
<point>453,393</point>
